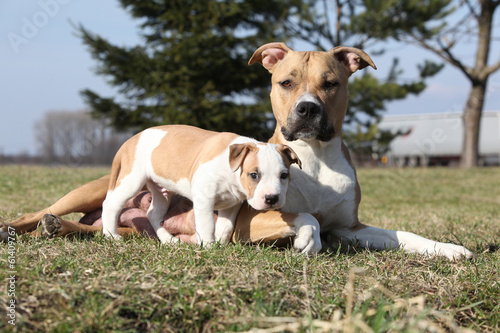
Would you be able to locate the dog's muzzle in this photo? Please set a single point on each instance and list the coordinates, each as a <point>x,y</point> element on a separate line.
<point>308,120</point>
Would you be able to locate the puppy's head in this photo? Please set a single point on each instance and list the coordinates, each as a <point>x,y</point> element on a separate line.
<point>264,172</point>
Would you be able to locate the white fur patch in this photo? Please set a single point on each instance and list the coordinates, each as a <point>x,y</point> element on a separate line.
<point>307,97</point>
<point>325,185</point>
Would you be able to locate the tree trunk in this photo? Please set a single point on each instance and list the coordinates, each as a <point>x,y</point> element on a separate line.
<point>479,78</point>
<point>472,120</point>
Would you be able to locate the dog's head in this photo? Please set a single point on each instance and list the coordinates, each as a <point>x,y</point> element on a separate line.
<point>264,172</point>
<point>309,89</point>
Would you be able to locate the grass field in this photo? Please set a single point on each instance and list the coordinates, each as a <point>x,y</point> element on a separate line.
<point>92,285</point>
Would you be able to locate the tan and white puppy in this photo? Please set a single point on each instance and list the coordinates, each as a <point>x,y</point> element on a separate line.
<point>309,98</point>
<point>202,166</point>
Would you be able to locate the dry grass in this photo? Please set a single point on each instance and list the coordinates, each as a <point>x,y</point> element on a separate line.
<point>91,284</point>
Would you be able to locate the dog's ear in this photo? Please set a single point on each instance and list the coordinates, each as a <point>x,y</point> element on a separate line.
<point>237,154</point>
<point>288,154</point>
<point>352,58</point>
<point>268,55</point>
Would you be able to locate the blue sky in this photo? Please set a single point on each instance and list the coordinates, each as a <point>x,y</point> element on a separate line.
<point>44,65</point>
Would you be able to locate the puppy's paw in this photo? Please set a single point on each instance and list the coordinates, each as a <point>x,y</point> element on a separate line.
<point>224,236</point>
<point>206,242</point>
<point>165,237</point>
<point>111,236</point>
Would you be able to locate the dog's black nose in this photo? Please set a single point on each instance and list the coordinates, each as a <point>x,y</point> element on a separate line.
<point>307,110</point>
<point>271,199</point>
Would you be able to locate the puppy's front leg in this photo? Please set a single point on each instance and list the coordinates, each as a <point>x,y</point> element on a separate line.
<point>203,208</point>
<point>225,223</point>
<point>307,239</point>
<point>156,213</point>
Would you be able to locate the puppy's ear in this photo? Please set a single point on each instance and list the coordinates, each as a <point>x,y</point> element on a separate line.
<point>268,55</point>
<point>288,155</point>
<point>237,154</point>
<point>352,58</point>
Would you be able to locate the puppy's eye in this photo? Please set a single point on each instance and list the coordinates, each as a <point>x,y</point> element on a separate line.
<point>286,84</point>
<point>254,175</point>
<point>330,84</point>
<point>284,175</point>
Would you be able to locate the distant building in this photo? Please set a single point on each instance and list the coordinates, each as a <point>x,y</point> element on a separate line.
<point>436,139</point>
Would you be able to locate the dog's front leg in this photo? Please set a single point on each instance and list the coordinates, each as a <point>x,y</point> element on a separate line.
<point>203,208</point>
<point>225,223</point>
<point>156,213</point>
<point>307,239</point>
<point>381,239</point>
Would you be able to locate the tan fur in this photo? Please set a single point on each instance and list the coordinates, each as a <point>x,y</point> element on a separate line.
<point>123,161</point>
<point>238,153</point>
<point>182,167</point>
<point>271,226</point>
<point>250,164</point>
<point>288,155</point>
<point>309,76</point>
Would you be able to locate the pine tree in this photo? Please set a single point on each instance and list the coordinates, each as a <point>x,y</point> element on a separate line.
<point>191,67</point>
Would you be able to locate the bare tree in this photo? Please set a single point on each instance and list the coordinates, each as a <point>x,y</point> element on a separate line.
<point>75,138</point>
<point>476,23</point>
<point>435,25</point>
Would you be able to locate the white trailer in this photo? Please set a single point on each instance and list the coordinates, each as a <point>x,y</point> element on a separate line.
<point>436,139</point>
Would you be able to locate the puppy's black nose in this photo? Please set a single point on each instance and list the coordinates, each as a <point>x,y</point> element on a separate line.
<point>271,199</point>
<point>307,110</point>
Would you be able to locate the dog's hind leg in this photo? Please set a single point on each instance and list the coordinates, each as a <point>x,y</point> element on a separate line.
<point>116,200</point>
<point>54,226</point>
<point>83,199</point>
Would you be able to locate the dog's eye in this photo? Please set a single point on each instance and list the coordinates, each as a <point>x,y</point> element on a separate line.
<point>286,84</point>
<point>284,175</point>
<point>330,84</point>
<point>254,175</point>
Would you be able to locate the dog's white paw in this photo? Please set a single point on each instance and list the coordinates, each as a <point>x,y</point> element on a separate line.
<point>451,251</point>
<point>165,237</point>
<point>113,236</point>
<point>206,242</point>
<point>307,239</point>
<point>223,231</point>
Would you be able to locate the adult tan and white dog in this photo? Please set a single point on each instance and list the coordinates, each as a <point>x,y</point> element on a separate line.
<point>216,171</point>
<point>309,99</point>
